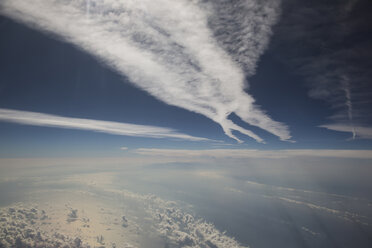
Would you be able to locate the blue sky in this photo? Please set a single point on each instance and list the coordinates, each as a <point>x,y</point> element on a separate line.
<point>224,122</point>
<point>49,67</point>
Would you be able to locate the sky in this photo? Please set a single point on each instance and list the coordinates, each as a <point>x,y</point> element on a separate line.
<point>103,78</point>
<point>186,123</point>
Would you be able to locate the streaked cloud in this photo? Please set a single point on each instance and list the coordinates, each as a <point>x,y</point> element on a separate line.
<point>181,52</point>
<point>318,40</point>
<point>110,127</point>
<point>356,131</point>
<point>349,104</point>
<point>250,153</point>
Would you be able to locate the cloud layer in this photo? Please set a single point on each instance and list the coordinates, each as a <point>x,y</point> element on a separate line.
<point>190,54</point>
<point>162,223</point>
<point>251,153</point>
<point>110,127</point>
<point>363,132</point>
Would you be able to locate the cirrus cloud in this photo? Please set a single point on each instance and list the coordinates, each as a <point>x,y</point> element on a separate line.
<point>190,54</point>
<point>110,127</point>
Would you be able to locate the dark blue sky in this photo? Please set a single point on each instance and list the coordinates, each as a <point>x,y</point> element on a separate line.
<point>40,73</point>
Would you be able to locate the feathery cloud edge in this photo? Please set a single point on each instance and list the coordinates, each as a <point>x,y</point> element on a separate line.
<point>109,127</point>
<point>175,57</point>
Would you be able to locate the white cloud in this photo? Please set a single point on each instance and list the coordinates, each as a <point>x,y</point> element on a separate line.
<point>123,148</point>
<point>180,52</point>
<point>349,104</point>
<point>183,230</point>
<point>356,131</point>
<point>336,70</point>
<point>250,153</point>
<point>177,226</point>
<point>23,228</point>
<point>165,219</point>
<point>110,127</point>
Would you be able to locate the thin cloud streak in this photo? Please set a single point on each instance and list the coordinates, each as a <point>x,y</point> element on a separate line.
<point>175,50</point>
<point>109,127</point>
<point>332,57</point>
<point>360,132</point>
<point>349,105</point>
<point>251,153</point>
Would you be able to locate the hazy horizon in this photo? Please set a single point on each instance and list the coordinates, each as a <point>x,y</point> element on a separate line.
<point>185,123</point>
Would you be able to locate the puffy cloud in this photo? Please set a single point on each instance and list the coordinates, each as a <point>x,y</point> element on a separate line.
<point>110,127</point>
<point>124,221</point>
<point>180,228</point>
<point>190,54</point>
<point>21,229</point>
<point>150,216</point>
<point>72,216</point>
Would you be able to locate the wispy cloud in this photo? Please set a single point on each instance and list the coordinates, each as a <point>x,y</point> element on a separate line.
<point>250,153</point>
<point>110,127</point>
<point>326,43</point>
<point>357,131</point>
<point>349,104</point>
<point>190,54</point>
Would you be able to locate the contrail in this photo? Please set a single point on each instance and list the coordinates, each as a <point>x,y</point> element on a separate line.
<point>88,7</point>
<point>191,54</point>
<point>109,127</point>
<point>348,103</point>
